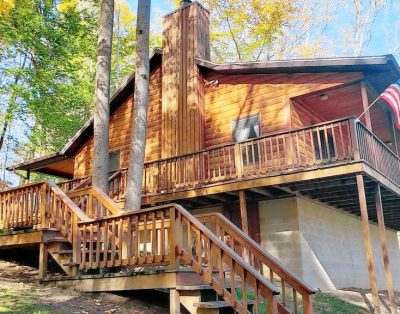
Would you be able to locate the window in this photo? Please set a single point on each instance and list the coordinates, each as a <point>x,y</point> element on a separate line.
<point>322,151</point>
<point>246,129</point>
<point>113,161</point>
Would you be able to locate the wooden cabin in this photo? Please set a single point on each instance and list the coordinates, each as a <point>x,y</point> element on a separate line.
<point>295,189</point>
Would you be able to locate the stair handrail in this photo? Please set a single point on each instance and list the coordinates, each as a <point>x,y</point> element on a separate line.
<point>221,223</point>
<point>89,197</point>
<point>65,222</point>
<point>67,201</point>
<point>268,289</point>
<point>111,251</point>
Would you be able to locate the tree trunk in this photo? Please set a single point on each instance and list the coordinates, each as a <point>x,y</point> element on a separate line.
<point>102,94</point>
<point>133,192</point>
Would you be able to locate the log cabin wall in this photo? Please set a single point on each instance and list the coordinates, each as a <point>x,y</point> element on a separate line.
<point>120,131</point>
<point>239,96</point>
<point>185,37</point>
<point>301,116</point>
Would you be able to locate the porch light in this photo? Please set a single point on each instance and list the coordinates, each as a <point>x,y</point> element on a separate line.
<point>323,97</point>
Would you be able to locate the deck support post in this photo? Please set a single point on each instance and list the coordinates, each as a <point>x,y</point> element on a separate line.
<point>364,96</point>
<point>174,301</point>
<point>367,243</point>
<point>243,211</point>
<point>43,259</point>
<point>385,254</point>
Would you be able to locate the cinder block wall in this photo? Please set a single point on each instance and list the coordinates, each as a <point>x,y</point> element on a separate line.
<point>324,245</point>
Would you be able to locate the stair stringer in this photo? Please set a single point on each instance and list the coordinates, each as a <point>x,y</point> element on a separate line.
<point>64,260</point>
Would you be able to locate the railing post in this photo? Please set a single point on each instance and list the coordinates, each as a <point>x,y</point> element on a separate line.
<point>76,243</point>
<point>307,304</point>
<point>2,212</point>
<point>42,207</point>
<point>238,161</point>
<point>354,139</point>
<point>173,233</point>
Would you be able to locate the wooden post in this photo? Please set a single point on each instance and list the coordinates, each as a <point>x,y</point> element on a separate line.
<point>174,302</point>
<point>385,254</point>
<point>174,239</point>
<point>364,96</point>
<point>245,223</point>
<point>76,244</point>
<point>42,206</point>
<point>238,160</point>
<point>43,259</point>
<point>243,211</point>
<point>367,243</point>
<point>354,139</point>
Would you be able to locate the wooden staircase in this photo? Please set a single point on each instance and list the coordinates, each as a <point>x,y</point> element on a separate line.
<point>96,234</point>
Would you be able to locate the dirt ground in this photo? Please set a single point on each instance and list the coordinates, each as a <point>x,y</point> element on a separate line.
<point>20,292</point>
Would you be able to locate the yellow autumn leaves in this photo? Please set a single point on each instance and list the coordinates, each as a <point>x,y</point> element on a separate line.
<point>6,6</point>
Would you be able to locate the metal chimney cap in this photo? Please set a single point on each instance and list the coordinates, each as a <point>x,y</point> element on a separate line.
<point>185,3</point>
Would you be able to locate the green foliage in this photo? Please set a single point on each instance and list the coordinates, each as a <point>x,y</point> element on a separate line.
<point>325,303</point>
<point>245,30</point>
<point>124,44</point>
<point>52,89</point>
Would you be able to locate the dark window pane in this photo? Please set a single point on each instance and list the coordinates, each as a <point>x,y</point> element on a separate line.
<point>113,161</point>
<point>246,128</point>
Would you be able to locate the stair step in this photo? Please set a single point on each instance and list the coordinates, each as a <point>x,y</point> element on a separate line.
<point>215,304</point>
<point>56,239</point>
<point>63,252</point>
<point>71,264</point>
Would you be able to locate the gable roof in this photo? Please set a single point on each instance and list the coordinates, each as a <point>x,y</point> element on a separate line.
<point>379,70</point>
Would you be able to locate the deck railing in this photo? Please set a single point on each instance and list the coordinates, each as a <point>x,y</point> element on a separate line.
<point>40,205</point>
<point>337,141</point>
<point>373,151</point>
<point>271,154</point>
<point>166,235</point>
<point>267,155</point>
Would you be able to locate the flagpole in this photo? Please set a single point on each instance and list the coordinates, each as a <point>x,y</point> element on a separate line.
<point>373,103</point>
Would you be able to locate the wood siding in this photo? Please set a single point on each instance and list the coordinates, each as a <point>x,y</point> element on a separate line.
<point>239,96</point>
<point>236,96</point>
<point>186,36</point>
<point>120,131</point>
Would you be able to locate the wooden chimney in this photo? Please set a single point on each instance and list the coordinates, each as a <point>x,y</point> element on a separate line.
<point>185,38</point>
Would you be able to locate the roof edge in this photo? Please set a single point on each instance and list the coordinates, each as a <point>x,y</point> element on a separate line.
<point>300,63</point>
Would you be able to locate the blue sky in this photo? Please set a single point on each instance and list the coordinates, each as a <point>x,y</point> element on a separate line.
<point>380,36</point>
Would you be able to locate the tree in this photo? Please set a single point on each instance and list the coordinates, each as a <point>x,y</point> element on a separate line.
<point>102,95</point>
<point>44,78</point>
<point>124,44</point>
<point>133,193</point>
<point>243,30</point>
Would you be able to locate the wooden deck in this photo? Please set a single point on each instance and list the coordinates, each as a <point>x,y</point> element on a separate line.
<point>322,153</point>
<point>92,233</point>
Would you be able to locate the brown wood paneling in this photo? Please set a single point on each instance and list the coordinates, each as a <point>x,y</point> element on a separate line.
<point>238,96</point>
<point>186,36</point>
<point>120,129</point>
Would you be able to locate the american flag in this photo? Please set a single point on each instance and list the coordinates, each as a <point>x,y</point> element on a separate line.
<point>392,97</point>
